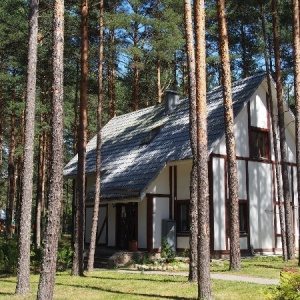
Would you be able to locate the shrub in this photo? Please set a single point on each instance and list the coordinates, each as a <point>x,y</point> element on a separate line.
<point>64,258</point>
<point>36,257</point>
<point>288,289</point>
<point>167,251</point>
<point>8,255</point>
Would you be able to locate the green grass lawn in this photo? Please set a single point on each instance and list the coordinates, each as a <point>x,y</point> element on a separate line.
<point>111,284</point>
<point>264,267</point>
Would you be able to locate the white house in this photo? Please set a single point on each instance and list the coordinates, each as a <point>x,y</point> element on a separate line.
<point>146,164</point>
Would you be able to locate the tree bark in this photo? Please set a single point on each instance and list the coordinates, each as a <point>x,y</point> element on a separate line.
<point>275,146</point>
<point>193,213</point>
<point>11,182</point>
<point>78,263</point>
<point>23,273</point>
<point>90,266</point>
<point>47,277</point>
<point>283,147</point>
<point>40,198</point>
<point>296,45</point>
<point>204,283</point>
<point>234,228</point>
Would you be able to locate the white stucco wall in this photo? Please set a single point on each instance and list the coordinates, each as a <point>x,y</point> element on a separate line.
<point>160,212</point>
<point>219,204</point>
<point>160,185</point>
<point>183,180</point>
<point>88,223</point>
<point>258,109</point>
<point>142,224</point>
<point>261,205</point>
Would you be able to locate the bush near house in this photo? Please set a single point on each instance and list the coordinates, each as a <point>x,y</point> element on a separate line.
<point>289,287</point>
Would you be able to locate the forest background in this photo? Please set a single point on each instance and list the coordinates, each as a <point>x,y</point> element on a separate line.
<point>144,55</point>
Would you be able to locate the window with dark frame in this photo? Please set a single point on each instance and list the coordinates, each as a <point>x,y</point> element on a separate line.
<point>182,216</point>
<point>243,217</point>
<point>259,143</point>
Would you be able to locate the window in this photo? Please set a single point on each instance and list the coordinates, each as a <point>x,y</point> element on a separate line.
<point>243,217</point>
<point>259,143</point>
<point>182,216</point>
<point>151,135</point>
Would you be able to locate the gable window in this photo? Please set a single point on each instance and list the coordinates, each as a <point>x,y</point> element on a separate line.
<point>259,143</point>
<point>182,216</point>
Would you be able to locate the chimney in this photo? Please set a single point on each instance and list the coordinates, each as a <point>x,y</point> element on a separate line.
<point>171,100</point>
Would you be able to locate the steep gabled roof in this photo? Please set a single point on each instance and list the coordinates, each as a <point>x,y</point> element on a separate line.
<point>136,146</point>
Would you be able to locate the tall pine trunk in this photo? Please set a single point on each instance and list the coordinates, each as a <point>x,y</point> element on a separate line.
<point>296,45</point>
<point>90,266</point>
<point>204,283</point>
<point>234,228</point>
<point>275,146</point>
<point>11,182</point>
<point>47,277</point>
<point>23,273</point>
<point>40,197</point>
<point>283,146</point>
<point>78,263</point>
<point>193,213</point>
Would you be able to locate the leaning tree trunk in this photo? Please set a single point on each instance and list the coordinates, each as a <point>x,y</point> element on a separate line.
<point>296,44</point>
<point>193,213</point>
<point>275,146</point>
<point>47,278</point>
<point>204,283</point>
<point>90,266</point>
<point>23,273</point>
<point>234,228</point>
<point>78,263</point>
<point>283,147</point>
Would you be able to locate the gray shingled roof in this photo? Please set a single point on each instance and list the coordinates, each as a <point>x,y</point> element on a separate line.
<point>129,166</point>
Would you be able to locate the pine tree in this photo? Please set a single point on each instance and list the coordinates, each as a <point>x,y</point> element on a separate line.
<point>204,285</point>
<point>193,271</point>
<point>47,277</point>
<point>283,146</point>
<point>23,273</point>
<point>235,255</point>
<point>93,241</point>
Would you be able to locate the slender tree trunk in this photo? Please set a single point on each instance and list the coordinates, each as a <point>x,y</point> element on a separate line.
<point>11,186</point>
<point>40,199</point>
<point>204,283</point>
<point>1,136</point>
<point>193,271</point>
<point>136,102</point>
<point>20,169</point>
<point>78,263</point>
<point>283,147</point>
<point>296,44</point>
<point>275,146</point>
<point>90,266</point>
<point>158,71</point>
<point>23,273</point>
<point>47,278</point>
<point>235,253</point>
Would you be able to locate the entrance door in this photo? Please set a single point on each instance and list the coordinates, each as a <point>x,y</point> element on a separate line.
<point>126,224</point>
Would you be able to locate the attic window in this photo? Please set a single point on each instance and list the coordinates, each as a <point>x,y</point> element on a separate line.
<point>259,143</point>
<point>151,135</point>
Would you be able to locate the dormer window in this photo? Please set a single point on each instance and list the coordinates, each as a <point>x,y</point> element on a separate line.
<point>151,135</point>
<point>259,143</point>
